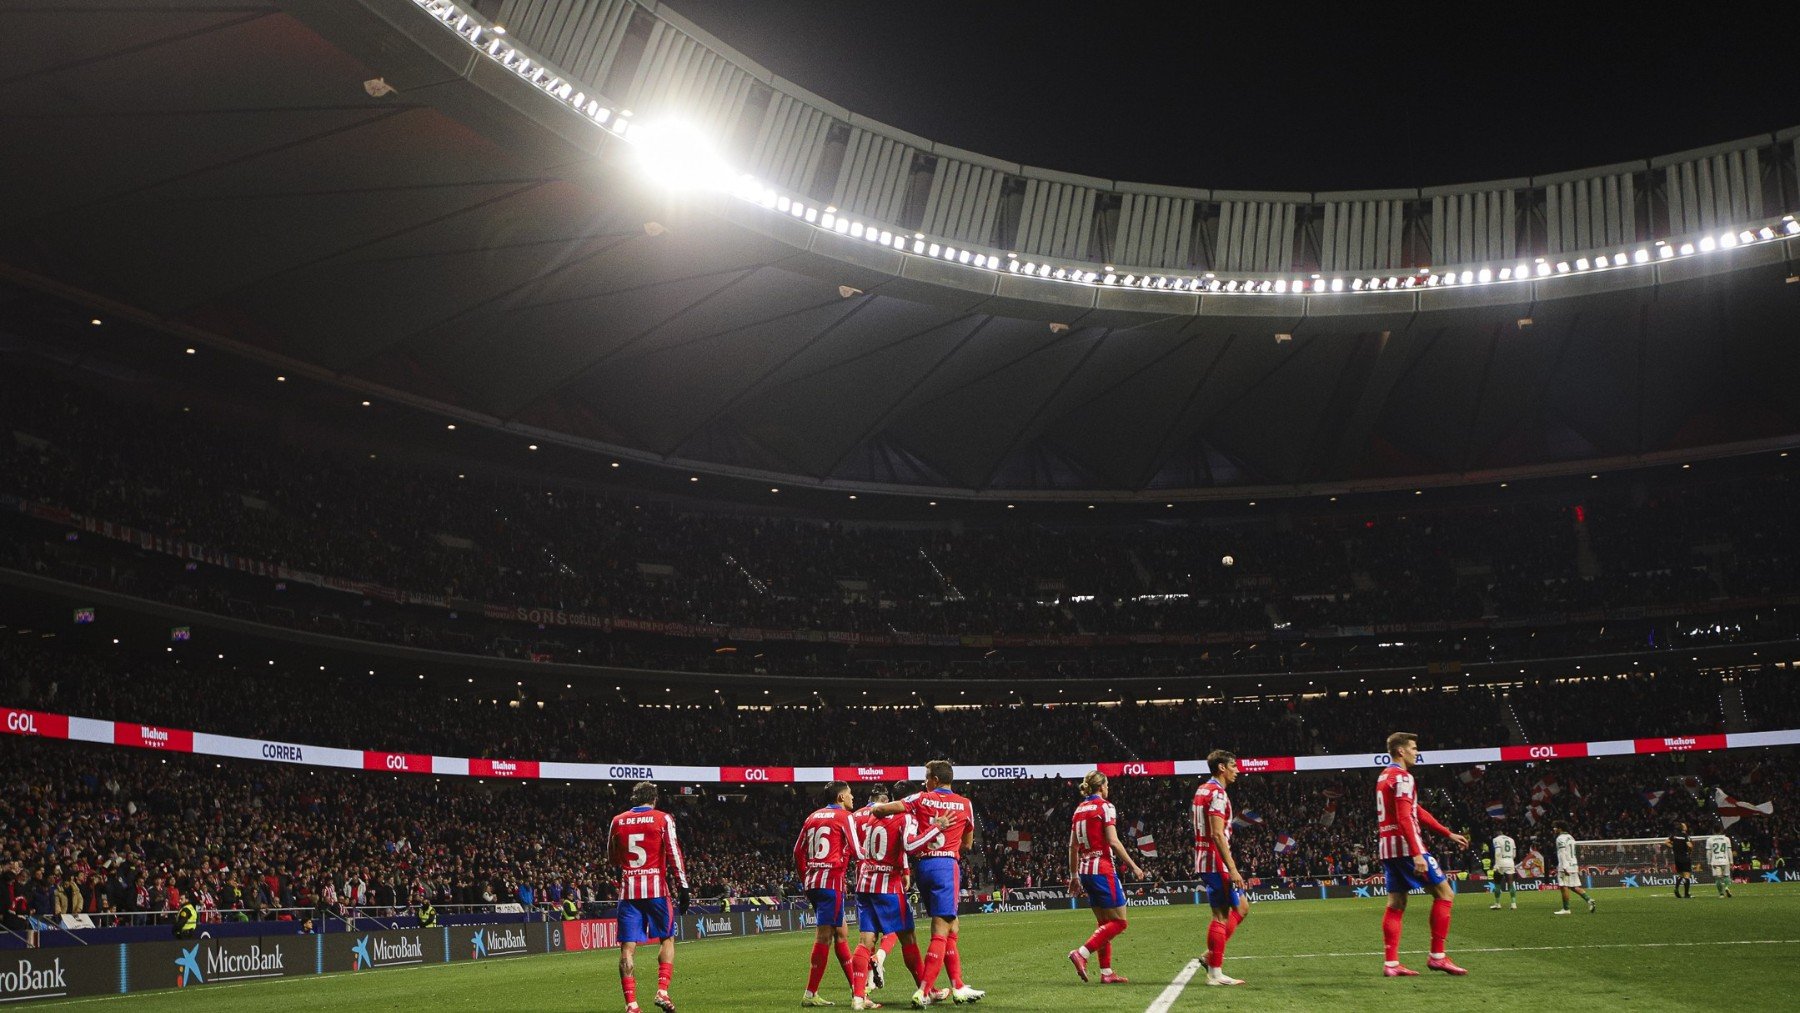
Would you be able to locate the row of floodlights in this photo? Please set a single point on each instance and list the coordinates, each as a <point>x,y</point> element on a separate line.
<point>682,156</point>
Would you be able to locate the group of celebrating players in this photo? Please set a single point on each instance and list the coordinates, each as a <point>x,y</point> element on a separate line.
<point>919,840</point>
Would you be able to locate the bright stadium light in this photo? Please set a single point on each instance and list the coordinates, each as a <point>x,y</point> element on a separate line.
<point>679,156</point>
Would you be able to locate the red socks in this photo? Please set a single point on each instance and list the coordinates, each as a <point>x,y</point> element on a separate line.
<point>629,984</point>
<point>821,952</point>
<point>1102,938</point>
<point>1216,935</point>
<point>1231,924</point>
<point>1105,955</point>
<point>953,962</point>
<point>915,965</point>
<point>859,973</point>
<point>663,973</point>
<point>844,959</point>
<point>888,941</point>
<point>934,961</point>
<point>1440,926</point>
<point>1391,922</point>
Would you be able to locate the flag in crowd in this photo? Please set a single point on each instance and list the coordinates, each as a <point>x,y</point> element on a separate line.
<point>1473,774</point>
<point>1147,845</point>
<point>1284,844</point>
<point>1652,798</point>
<point>1330,815</point>
<point>1496,810</point>
<point>1731,810</point>
<point>1248,818</point>
<point>1018,840</point>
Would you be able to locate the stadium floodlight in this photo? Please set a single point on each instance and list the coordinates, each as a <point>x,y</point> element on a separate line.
<point>1581,264</point>
<point>1727,240</point>
<point>1707,244</point>
<point>1484,275</point>
<point>1687,249</point>
<point>1641,256</point>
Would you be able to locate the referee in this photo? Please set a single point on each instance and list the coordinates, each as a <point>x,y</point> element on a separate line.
<point>1684,865</point>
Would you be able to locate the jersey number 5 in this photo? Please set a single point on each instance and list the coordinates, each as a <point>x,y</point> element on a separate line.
<point>635,855</point>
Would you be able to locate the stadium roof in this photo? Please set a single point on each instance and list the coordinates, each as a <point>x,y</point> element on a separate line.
<point>466,244</point>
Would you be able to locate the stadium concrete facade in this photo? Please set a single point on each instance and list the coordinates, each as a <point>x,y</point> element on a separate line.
<point>394,196</point>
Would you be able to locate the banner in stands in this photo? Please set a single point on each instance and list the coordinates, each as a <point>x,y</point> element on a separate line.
<point>549,617</point>
<point>60,972</point>
<point>61,726</point>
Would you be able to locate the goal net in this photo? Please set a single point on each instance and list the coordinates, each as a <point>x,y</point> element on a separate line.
<point>1624,856</point>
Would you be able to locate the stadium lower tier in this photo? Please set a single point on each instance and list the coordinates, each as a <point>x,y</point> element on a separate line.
<point>116,832</point>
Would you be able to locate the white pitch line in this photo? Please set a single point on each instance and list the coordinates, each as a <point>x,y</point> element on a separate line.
<point>1524,949</point>
<point>1167,999</point>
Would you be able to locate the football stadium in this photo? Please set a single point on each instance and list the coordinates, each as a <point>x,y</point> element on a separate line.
<point>533,504</point>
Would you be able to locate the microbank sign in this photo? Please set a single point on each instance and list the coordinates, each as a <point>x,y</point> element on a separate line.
<point>27,978</point>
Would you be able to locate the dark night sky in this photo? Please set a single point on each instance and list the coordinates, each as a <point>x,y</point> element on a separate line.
<point>1264,97</point>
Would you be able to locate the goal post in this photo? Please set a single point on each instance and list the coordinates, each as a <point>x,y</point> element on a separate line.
<point>1624,855</point>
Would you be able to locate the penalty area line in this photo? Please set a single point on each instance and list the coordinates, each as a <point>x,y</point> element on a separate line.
<point>1166,1000</point>
<point>1522,949</point>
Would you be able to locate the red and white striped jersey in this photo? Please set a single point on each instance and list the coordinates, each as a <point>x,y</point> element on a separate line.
<point>642,844</point>
<point>1210,799</point>
<point>926,806</point>
<point>823,850</point>
<point>1397,824</point>
<point>1093,852</point>
<point>885,842</point>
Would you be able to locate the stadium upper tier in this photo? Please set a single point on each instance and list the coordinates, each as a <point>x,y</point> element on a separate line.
<point>394,197</point>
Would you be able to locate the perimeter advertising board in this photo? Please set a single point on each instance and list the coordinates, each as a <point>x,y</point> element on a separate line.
<point>195,963</point>
<point>491,942</point>
<point>58,973</point>
<point>369,951</point>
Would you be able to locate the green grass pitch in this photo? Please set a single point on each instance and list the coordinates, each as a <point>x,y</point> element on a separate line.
<point>1644,950</point>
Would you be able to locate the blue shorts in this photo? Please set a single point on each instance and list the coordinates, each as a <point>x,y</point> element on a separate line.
<point>940,885</point>
<point>1219,891</point>
<point>882,913</point>
<point>641,921</point>
<point>1402,879</point>
<point>1104,890</point>
<point>828,906</point>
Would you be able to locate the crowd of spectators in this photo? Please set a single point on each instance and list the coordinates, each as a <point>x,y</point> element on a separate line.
<point>231,487</point>
<point>125,836</point>
<point>1330,820</point>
